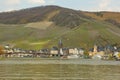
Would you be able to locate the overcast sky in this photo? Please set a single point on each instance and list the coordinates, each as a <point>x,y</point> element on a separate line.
<point>85,5</point>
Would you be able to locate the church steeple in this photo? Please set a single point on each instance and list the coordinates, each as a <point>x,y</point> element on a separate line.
<point>95,49</point>
<point>60,44</point>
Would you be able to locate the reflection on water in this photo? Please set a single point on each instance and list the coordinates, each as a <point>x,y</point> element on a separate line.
<point>58,71</point>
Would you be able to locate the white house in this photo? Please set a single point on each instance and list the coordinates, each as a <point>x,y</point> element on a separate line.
<point>54,52</point>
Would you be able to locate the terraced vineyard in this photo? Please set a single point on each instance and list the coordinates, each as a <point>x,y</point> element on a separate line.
<point>49,24</point>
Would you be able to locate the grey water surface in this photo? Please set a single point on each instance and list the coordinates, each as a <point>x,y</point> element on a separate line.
<point>58,69</point>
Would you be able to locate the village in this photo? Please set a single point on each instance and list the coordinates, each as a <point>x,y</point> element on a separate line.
<point>97,52</point>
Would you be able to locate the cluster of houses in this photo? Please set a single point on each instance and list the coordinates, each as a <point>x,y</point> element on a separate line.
<point>97,52</point>
<point>53,52</point>
<point>106,52</point>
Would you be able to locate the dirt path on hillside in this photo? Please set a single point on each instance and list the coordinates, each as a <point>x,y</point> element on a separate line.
<point>116,33</point>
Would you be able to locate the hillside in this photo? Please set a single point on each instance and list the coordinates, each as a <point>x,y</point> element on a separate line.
<point>28,37</point>
<point>58,15</point>
<point>111,17</point>
<point>42,27</point>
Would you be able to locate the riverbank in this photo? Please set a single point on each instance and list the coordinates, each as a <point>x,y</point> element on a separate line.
<point>57,61</point>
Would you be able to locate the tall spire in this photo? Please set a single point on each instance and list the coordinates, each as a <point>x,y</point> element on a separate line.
<point>60,44</point>
<point>95,49</point>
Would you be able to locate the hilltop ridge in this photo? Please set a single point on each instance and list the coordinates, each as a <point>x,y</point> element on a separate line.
<point>59,15</point>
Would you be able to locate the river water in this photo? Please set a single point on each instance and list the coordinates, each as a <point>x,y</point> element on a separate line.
<point>58,69</point>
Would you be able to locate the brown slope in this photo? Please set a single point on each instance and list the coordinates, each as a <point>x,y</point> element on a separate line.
<point>111,17</point>
<point>60,16</point>
<point>26,15</point>
<point>104,15</point>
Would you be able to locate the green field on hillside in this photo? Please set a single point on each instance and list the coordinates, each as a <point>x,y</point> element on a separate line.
<point>85,35</point>
<point>88,34</point>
